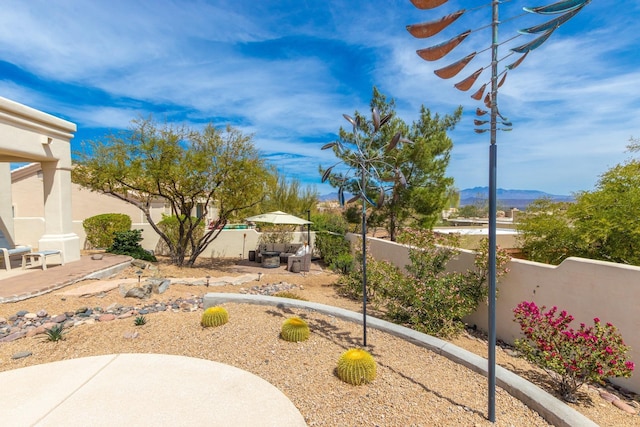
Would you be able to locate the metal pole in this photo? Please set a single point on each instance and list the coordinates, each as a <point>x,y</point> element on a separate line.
<point>309,229</point>
<point>493,166</point>
<point>364,263</point>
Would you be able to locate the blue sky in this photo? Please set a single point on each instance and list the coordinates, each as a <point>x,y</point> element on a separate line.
<point>286,71</point>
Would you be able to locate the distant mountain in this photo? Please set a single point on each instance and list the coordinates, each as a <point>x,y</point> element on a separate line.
<point>328,196</point>
<point>519,199</point>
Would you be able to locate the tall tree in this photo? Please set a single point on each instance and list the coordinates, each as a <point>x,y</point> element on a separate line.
<point>182,166</point>
<point>602,224</point>
<point>288,195</point>
<point>420,195</point>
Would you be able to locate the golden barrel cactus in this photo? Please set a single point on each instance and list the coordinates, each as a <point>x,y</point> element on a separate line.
<point>214,316</point>
<point>356,366</point>
<point>295,329</point>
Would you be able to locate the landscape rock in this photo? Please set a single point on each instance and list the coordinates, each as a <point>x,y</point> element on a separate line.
<point>106,317</point>
<point>42,313</point>
<point>13,336</point>
<point>139,292</point>
<point>59,318</point>
<point>21,354</point>
<point>97,257</point>
<point>624,406</point>
<point>131,335</point>
<point>31,316</point>
<point>139,263</point>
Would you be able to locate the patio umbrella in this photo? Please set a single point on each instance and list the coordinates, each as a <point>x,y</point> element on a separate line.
<point>278,217</point>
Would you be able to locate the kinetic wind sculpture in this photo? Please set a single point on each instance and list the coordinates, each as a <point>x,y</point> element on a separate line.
<point>565,10</point>
<point>366,175</point>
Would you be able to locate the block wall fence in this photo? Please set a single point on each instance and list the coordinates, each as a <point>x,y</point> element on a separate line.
<point>584,288</point>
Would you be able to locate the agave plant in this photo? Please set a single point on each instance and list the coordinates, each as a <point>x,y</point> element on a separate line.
<point>140,321</point>
<point>55,333</point>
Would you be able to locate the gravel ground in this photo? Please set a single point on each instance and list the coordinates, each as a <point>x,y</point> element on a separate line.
<point>414,386</point>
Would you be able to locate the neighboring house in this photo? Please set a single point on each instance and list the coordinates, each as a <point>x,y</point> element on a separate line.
<point>28,209</point>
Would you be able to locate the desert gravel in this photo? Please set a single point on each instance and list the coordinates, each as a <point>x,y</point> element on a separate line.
<point>414,386</point>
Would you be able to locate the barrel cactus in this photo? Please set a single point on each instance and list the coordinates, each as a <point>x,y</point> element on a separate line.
<point>214,316</point>
<point>295,329</point>
<point>356,366</point>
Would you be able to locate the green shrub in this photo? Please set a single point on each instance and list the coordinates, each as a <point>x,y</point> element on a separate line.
<point>335,250</point>
<point>128,243</point>
<point>100,229</point>
<point>329,222</point>
<point>290,295</point>
<point>426,297</point>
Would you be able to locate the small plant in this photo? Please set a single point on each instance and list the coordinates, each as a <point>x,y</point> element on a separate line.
<point>571,357</point>
<point>294,329</point>
<point>55,333</point>
<point>214,316</point>
<point>290,295</point>
<point>140,321</point>
<point>356,366</point>
<point>128,243</point>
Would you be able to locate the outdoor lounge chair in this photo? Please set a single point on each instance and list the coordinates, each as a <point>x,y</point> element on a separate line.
<point>304,260</point>
<point>9,251</point>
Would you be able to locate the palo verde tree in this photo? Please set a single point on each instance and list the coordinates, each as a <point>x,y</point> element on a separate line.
<point>185,168</point>
<point>422,191</point>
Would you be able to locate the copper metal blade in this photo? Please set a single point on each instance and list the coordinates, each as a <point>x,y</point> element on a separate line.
<point>478,95</point>
<point>480,112</point>
<point>428,4</point>
<point>504,77</point>
<point>438,51</point>
<point>466,84</point>
<point>453,69</point>
<point>487,100</point>
<point>428,29</point>
<point>513,65</point>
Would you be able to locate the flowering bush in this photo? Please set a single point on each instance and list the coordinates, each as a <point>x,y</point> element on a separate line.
<point>570,357</point>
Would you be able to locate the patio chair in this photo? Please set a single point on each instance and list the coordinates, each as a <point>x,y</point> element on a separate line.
<point>9,251</point>
<point>304,260</point>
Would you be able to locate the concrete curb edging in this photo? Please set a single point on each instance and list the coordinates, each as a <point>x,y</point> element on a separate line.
<point>106,272</point>
<point>550,408</point>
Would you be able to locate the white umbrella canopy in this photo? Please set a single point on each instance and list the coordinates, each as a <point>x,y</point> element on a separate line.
<point>278,217</point>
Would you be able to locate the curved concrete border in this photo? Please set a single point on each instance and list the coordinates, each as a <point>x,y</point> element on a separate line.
<point>550,408</point>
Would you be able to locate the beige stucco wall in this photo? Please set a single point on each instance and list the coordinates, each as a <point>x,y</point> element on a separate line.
<point>584,288</point>
<point>29,135</point>
<point>28,193</point>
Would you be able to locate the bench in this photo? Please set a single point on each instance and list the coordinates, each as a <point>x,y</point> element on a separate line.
<point>39,259</point>
<point>8,253</point>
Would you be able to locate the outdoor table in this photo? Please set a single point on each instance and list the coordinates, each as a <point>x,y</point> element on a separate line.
<point>270,259</point>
